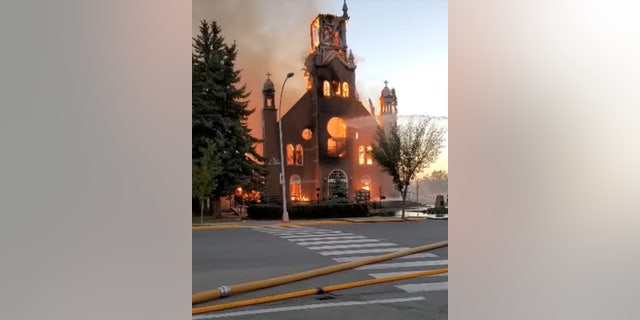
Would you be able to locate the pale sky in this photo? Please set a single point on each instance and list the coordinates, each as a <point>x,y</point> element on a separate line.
<point>403,42</point>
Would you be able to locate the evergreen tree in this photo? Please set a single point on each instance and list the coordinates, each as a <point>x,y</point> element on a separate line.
<point>220,113</point>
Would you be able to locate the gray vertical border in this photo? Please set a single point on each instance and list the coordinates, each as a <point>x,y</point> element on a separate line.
<point>543,159</point>
<point>94,159</point>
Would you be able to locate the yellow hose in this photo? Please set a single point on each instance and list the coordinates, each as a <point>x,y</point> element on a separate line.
<point>225,291</point>
<point>308,292</point>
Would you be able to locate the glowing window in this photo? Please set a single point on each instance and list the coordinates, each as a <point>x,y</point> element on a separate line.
<point>298,155</point>
<point>269,102</point>
<point>326,88</point>
<point>366,182</point>
<point>332,147</point>
<point>336,148</point>
<point>336,87</point>
<point>289,154</point>
<point>307,134</point>
<point>336,144</point>
<point>345,90</point>
<point>369,155</point>
<point>360,155</point>
<point>295,188</point>
<point>337,128</point>
<point>315,34</point>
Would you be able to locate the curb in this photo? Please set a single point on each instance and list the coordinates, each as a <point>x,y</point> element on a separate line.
<point>233,226</point>
<point>408,219</point>
<point>307,223</point>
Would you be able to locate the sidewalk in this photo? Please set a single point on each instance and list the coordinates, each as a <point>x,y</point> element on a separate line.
<point>260,223</point>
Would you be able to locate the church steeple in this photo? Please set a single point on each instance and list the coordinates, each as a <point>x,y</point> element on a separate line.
<point>328,32</point>
<point>388,106</point>
<point>268,91</point>
<point>344,10</point>
<point>328,35</point>
<point>388,100</point>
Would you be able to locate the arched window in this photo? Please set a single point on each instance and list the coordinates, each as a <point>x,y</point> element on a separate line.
<point>360,155</point>
<point>337,143</point>
<point>294,187</point>
<point>326,88</point>
<point>298,155</point>
<point>338,183</point>
<point>336,87</point>
<point>332,147</point>
<point>369,155</point>
<point>289,154</point>
<point>345,90</point>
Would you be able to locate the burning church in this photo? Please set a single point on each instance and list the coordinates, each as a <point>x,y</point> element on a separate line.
<point>327,134</point>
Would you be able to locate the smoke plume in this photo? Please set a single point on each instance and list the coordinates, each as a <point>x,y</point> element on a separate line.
<point>271,36</point>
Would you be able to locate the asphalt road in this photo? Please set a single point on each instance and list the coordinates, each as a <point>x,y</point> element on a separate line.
<point>235,256</point>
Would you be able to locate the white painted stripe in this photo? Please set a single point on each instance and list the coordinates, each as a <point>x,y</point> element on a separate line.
<point>337,242</point>
<point>332,233</point>
<point>424,287</point>
<point>341,252</point>
<point>303,307</point>
<point>296,233</point>
<point>310,235</point>
<point>326,238</point>
<point>348,246</point>
<point>393,274</point>
<point>286,232</point>
<point>408,264</point>
<point>318,231</point>
<point>276,228</point>
<point>290,229</point>
<point>283,229</point>
<point>413,256</point>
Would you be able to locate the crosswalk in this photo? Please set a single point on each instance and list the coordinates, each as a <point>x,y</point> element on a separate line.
<point>345,247</point>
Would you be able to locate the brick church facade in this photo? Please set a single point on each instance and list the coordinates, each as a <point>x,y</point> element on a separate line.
<point>328,133</point>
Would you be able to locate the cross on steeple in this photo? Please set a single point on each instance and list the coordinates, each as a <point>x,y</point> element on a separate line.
<point>268,74</point>
<point>386,82</point>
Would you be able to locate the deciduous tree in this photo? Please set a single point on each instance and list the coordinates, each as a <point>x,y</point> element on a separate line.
<point>404,150</point>
<point>204,178</point>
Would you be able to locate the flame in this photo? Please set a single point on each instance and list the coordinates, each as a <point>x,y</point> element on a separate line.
<point>301,199</point>
<point>315,36</point>
<point>306,76</point>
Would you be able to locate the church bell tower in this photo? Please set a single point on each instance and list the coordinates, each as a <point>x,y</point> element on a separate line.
<point>270,146</point>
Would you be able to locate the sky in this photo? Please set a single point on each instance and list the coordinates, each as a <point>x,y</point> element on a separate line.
<point>402,41</point>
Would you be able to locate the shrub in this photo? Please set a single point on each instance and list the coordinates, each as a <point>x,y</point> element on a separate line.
<point>383,213</point>
<point>308,211</point>
<point>438,211</point>
<point>336,200</point>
